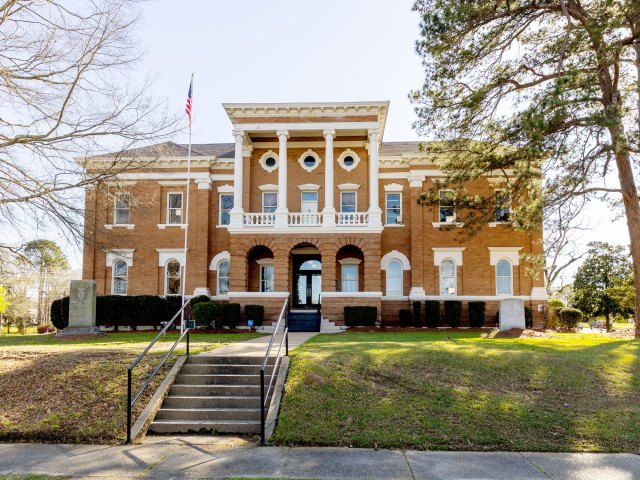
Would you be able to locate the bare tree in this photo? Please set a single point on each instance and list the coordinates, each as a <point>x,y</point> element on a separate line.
<point>65,94</point>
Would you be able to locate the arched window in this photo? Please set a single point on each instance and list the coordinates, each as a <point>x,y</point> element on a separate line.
<point>172,278</point>
<point>504,278</point>
<point>224,268</point>
<point>448,283</point>
<point>394,278</point>
<point>120,274</point>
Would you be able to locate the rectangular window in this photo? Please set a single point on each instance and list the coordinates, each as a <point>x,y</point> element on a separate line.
<point>266,278</point>
<point>226,204</point>
<point>174,208</point>
<point>394,208</point>
<point>309,202</point>
<point>503,206</point>
<point>121,205</point>
<point>349,278</point>
<point>447,206</point>
<point>348,202</point>
<point>269,202</point>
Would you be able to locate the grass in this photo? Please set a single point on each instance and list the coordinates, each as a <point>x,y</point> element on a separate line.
<point>460,391</point>
<point>15,476</point>
<point>74,390</point>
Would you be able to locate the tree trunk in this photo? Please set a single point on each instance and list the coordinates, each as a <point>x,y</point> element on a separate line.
<point>607,324</point>
<point>632,212</point>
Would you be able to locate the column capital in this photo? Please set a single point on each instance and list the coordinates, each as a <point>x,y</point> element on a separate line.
<point>247,150</point>
<point>238,134</point>
<point>329,133</point>
<point>373,132</point>
<point>415,181</point>
<point>283,133</point>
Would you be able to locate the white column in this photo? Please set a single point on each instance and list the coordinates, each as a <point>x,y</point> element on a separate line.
<point>237,213</point>
<point>375,213</point>
<point>282,213</point>
<point>329,212</point>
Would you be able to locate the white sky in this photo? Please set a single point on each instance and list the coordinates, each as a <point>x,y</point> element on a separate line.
<point>290,51</point>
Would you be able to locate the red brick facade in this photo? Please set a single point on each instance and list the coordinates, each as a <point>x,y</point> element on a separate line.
<point>147,241</point>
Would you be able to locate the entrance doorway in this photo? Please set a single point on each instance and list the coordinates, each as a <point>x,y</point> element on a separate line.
<point>307,276</point>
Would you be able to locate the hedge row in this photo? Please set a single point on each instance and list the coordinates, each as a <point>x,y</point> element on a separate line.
<point>360,316</point>
<point>140,310</point>
<point>452,314</point>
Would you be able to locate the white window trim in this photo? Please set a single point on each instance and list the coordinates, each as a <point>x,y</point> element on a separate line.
<point>263,159</point>
<point>393,187</point>
<point>225,189</point>
<point>308,187</point>
<point>113,276</point>
<point>115,254</point>
<point>166,254</point>
<point>401,291</point>
<point>213,266</point>
<point>510,253</point>
<point>309,153</point>
<point>268,193</point>
<point>218,293</point>
<point>356,200</point>
<point>115,195</point>
<point>302,202</point>
<point>346,153</point>
<point>349,262</point>
<point>386,209</point>
<point>495,223</point>
<point>220,224</point>
<point>394,255</point>
<point>266,262</point>
<point>166,277</point>
<point>181,208</point>
<point>510,293</point>
<point>455,277</point>
<point>455,210</point>
<point>442,253</point>
<point>348,187</point>
<point>268,187</point>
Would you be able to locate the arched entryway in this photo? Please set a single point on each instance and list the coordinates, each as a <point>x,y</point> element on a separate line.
<point>260,269</point>
<point>306,263</point>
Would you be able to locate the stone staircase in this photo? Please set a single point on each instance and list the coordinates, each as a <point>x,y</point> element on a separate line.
<point>218,394</point>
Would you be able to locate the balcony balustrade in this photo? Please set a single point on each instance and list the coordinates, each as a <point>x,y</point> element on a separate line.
<point>299,219</point>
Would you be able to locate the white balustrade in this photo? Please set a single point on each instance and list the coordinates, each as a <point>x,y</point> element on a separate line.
<point>298,219</point>
<point>352,218</point>
<point>260,219</point>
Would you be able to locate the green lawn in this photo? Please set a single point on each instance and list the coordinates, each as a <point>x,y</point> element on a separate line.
<point>59,390</point>
<point>460,391</point>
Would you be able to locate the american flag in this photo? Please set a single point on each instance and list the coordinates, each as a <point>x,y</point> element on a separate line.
<point>188,107</point>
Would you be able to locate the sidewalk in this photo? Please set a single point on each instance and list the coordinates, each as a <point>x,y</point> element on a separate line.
<point>224,457</point>
<point>258,346</point>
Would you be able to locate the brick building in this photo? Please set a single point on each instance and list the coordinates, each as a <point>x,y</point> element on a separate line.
<point>309,204</point>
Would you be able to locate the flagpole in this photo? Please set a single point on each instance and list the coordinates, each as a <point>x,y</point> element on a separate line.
<point>186,228</point>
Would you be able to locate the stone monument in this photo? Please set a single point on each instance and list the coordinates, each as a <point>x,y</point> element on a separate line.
<point>512,314</point>
<point>82,309</point>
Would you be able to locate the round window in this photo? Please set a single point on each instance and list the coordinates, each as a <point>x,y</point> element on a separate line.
<point>348,160</point>
<point>309,161</point>
<point>270,162</point>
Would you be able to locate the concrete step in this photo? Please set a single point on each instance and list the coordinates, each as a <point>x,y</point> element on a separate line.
<point>213,390</point>
<point>218,379</point>
<point>228,360</point>
<point>205,426</point>
<point>208,414</point>
<point>217,401</point>
<point>205,370</point>
<point>231,369</point>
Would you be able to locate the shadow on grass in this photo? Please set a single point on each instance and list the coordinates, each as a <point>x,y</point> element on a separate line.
<point>463,392</point>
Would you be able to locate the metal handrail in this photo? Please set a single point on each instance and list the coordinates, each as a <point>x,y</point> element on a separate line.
<point>131,402</point>
<point>285,340</point>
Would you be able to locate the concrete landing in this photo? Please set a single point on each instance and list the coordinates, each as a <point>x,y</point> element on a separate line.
<point>258,346</point>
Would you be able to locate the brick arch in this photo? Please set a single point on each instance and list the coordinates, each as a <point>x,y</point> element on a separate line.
<point>270,243</point>
<point>316,242</point>
<point>351,241</point>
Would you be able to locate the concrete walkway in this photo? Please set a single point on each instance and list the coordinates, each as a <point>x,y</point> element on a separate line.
<point>258,346</point>
<point>222,457</point>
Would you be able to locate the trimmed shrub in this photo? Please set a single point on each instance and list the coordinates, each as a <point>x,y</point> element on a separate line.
<point>432,313</point>
<point>206,314</point>
<point>528,317</point>
<point>405,317</point>
<point>360,316</point>
<point>416,315</point>
<point>570,317</point>
<point>199,299</point>
<point>174,302</point>
<point>476,313</point>
<point>453,312</point>
<point>255,313</point>
<point>231,314</point>
<point>59,314</point>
